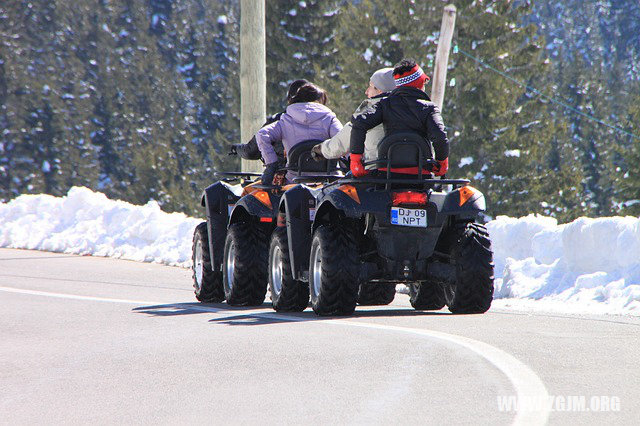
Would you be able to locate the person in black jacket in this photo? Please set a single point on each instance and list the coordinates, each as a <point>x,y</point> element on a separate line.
<point>249,150</point>
<point>407,108</point>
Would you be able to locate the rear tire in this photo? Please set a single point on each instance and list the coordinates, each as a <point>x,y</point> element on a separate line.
<point>472,290</point>
<point>428,296</point>
<point>287,294</point>
<point>244,270</point>
<point>376,294</point>
<point>206,282</point>
<point>333,271</point>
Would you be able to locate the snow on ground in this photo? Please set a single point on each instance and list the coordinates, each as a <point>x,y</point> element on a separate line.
<point>86,222</point>
<point>586,266</point>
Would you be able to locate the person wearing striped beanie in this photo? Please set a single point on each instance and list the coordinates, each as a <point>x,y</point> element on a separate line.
<point>407,108</point>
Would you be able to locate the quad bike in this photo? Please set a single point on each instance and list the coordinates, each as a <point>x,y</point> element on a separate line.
<point>231,248</point>
<point>353,240</point>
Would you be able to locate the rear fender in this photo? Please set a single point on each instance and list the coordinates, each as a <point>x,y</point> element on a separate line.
<point>345,198</point>
<point>251,207</point>
<point>218,200</point>
<point>298,205</point>
<point>352,202</point>
<point>465,202</point>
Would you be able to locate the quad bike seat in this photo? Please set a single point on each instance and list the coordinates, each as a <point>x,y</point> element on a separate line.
<point>405,154</point>
<point>299,159</point>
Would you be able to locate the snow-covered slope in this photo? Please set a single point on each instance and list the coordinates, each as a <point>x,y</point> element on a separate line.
<point>589,265</point>
<point>86,222</point>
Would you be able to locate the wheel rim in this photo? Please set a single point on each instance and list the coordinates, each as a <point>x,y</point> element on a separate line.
<point>316,269</point>
<point>276,270</point>
<point>231,265</point>
<point>198,266</point>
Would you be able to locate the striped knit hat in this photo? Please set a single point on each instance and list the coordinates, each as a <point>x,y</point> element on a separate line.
<point>415,77</point>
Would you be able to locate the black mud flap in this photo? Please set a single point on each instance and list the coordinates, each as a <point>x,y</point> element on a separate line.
<point>300,205</point>
<point>218,201</point>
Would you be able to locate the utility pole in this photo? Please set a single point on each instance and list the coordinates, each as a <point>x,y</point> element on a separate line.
<point>253,74</point>
<point>442,55</point>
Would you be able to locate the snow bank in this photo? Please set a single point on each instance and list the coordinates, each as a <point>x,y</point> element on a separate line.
<point>85,222</point>
<point>587,266</point>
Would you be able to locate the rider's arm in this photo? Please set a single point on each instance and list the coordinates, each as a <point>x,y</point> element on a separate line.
<point>437,133</point>
<point>265,138</point>
<point>249,150</point>
<point>361,123</point>
<point>338,145</point>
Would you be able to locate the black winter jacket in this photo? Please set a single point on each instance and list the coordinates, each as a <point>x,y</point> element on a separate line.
<point>404,109</point>
<point>250,151</point>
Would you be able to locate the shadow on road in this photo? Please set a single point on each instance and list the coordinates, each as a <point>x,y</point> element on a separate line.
<point>264,315</point>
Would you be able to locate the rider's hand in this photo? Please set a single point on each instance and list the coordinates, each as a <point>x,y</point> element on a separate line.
<point>279,179</point>
<point>233,150</point>
<point>316,153</point>
<point>443,166</point>
<point>357,168</point>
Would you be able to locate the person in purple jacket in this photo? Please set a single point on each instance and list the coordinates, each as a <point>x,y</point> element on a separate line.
<point>306,118</point>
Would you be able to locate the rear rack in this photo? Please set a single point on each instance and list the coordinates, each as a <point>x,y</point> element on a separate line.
<point>336,180</point>
<point>316,178</point>
<point>237,174</point>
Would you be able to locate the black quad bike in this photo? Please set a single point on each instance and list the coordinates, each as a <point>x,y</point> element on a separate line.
<point>231,249</point>
<point>353,240</point>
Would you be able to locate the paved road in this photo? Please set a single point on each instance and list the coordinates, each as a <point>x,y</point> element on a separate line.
<point>96,340</point>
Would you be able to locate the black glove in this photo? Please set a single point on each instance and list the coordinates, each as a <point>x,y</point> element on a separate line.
<point>316,153</point>
<point>234,149</point>
<point>269,172</point>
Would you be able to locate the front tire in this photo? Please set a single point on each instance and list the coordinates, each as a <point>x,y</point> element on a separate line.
<point>472,290</point>
<point>333,271</point>
<point>376,294</point>
<point>287,294</point>
<point>244,271</point>
<point>428,296</point>
<point>207,283</point>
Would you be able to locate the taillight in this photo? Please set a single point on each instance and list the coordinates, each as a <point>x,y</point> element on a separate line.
<point>263,197</point>
<point>466,192</point>
<point>408,197</point>
<point>351,191</point>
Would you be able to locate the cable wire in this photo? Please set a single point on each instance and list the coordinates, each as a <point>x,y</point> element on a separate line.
<point>550,99</point>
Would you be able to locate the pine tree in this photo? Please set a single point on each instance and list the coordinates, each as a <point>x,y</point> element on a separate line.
<point>591,47</point>
<point>627,183</point>
<point>300,37</point>
<point>371,35</point>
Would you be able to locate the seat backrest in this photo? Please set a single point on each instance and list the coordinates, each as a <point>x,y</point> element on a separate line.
<point>400,150</point>
<point>299,159</point>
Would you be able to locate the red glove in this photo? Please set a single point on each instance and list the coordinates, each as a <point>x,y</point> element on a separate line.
<point>356,166</point>
<point>443,166</point>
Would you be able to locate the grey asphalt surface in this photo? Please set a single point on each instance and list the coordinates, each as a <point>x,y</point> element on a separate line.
<point>134,347</point>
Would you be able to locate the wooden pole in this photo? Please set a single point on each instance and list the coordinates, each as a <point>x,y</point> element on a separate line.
<point>442,55</point>
<point>253,75</point>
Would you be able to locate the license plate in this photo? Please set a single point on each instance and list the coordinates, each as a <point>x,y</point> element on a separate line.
<point>409,217</point>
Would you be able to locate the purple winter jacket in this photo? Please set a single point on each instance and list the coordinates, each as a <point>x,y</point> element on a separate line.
<point>302,121</point>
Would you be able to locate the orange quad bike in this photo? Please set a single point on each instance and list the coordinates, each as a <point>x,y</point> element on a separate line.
<point>231,248</point>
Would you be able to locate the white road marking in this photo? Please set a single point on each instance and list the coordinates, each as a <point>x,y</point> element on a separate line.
<point>73,296</point>
<point>527,384</point>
